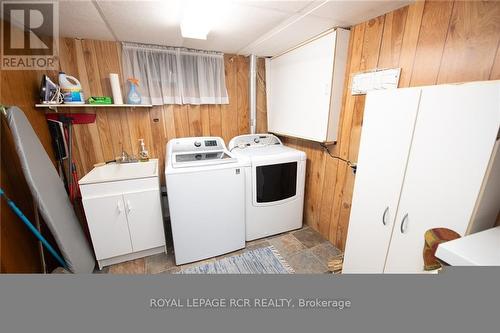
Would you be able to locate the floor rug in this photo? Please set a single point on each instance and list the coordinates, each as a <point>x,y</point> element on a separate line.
<point>265,260</point>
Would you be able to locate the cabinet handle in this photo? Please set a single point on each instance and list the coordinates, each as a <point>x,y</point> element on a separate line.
<point>404,223</point>
<point>129,206</point>
<point>384,222</point>
<point>119,207</point>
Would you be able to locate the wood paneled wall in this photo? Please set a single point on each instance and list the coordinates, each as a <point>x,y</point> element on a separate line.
<point>115,128</point>
<point>18,247</point>
<point>118,129</point>
<point>433,42</point>
<point>261,97</point>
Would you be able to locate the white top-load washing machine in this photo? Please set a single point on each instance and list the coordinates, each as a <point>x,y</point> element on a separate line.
<point>274,184</point>
<point>205,186</point>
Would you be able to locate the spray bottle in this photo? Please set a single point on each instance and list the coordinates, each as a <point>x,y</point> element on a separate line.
<point>133,95</point>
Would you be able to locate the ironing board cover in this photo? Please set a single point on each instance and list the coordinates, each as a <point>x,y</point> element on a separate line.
<point>48,192</point>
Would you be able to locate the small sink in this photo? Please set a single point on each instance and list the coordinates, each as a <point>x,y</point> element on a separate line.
<point>121,171</point>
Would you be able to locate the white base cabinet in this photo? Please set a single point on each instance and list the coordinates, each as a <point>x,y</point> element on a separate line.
<point>125,219</point>
<point>423,163</point>
<point>108,226</point>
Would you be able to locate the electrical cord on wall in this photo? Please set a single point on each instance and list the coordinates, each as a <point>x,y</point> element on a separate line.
<point>350,164</point>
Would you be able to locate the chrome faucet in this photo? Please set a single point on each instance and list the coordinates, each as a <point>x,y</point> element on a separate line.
<point>125,158</point>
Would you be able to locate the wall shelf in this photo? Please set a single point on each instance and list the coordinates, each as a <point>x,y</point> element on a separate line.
<point>54,106</point>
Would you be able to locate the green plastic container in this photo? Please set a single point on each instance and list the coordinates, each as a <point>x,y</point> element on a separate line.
<point>100,100</point>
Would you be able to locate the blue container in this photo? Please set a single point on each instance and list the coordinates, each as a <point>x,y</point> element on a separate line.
<point>133,96</point>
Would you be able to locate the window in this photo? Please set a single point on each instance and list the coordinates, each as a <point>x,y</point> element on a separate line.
<point>170,75</point>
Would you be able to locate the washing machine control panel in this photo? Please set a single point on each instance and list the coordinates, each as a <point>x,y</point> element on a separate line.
<point>197,151</point>
<point>206,143</point>
<point>195,144</point>
<point>210,143</point>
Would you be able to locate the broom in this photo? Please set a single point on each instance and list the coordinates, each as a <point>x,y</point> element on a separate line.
<point>30,226</point>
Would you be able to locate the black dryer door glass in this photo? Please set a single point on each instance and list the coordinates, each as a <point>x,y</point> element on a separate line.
<point>276,182</point>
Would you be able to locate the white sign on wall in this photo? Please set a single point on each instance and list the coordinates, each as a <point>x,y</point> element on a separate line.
<point>375,80</point>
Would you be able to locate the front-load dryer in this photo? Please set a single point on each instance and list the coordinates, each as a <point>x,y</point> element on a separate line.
<point>274,181</point>
<point>206,197</point>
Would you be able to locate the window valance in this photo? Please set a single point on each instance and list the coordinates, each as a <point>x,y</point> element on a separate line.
<point>169,75</point>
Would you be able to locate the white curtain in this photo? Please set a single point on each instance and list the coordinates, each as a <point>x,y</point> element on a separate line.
<point>170,75</point>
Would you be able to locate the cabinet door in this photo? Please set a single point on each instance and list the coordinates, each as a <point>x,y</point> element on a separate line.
<point>300,89</point>
<point>145,219</point>
<point>108,226</point>
<point>454,137</point>
<point>388,124</point>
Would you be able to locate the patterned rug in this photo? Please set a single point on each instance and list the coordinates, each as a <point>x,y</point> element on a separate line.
<point>266,260</point>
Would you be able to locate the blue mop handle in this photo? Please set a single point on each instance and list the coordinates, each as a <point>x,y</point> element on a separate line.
<point>30,226</point>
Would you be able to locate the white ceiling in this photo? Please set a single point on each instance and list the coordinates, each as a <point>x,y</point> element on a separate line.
<point>261,27</point>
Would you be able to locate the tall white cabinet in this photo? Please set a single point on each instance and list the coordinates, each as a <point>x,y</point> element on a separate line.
<point>424,162</point>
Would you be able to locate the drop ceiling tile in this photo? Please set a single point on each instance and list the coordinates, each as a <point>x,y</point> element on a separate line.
<point>246,23</point>
<point>150,22</point>
<point>82,20</point>
<point>158,22</point>
<point>283,6</point>
<point>326,14</point>
<point>214,43</point>
<point>244,26</point>
<point>291,36</point>
<point>354,12</point>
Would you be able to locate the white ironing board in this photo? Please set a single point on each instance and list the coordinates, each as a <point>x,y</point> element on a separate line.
<point>49,194</point>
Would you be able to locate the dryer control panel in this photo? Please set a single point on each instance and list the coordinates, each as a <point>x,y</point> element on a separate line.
<point>254,140</point>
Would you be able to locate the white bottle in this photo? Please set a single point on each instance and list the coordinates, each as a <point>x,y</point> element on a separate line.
<point>71,89</point>
<point>143,153</point>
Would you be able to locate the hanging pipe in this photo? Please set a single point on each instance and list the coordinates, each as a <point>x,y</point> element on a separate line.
<point>30,226</point>
<point>253,93</point>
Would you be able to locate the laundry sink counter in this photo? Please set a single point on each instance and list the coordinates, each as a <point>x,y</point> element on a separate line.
<point>121,171</point>
<point>123,210</point>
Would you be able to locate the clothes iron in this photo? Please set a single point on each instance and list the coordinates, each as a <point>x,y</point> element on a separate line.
<point>50,92</point>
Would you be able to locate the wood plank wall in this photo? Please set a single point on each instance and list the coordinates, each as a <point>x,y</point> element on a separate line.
<point>18,247</point>
<point>115,128</point>
<point>261,97</point>
<point>118,129</point>
<point>433,42</point>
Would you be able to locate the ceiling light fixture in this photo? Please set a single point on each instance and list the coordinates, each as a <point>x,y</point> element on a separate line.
<point>193,28</point>
<point>198,18</point>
